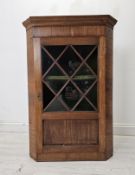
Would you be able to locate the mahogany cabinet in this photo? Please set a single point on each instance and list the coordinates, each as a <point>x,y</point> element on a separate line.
<point>70,87</point>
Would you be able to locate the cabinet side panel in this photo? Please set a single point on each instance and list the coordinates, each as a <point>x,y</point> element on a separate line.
<point>31,92</point>
<point>102,94</point>
<point>109,85</point>
<point>38,93</point>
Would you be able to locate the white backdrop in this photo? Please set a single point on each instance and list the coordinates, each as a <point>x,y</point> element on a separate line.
<point>13,63</point>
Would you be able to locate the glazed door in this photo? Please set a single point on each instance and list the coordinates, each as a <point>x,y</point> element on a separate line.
<point>69,93</point>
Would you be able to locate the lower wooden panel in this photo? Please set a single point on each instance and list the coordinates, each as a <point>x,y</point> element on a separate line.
<point>70,132</point>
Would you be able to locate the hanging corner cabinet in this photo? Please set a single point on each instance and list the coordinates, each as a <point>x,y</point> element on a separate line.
<point>70,87</point>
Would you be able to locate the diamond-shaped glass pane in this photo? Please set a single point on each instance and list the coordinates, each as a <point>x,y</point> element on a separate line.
<point>84,78</point>
<point>84,84</point>
<point>55,51</point>
<point>54,73</point>
<point>46,61</point>
<point>47,95</point>
<point>56,85</point>
<point>84,106</point>
<point>70,95</point>
<point>56,106</point>
<point>92,60</point>
<point>84,70</point>
<point>69,61</point>
<point>55,78</point>
<point>84,50</point>
<point>92,95</point>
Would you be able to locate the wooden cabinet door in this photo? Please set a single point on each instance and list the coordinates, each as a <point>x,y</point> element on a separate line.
<point>69,75</point>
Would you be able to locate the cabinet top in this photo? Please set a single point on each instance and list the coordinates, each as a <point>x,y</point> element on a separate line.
<point>41,21</point>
